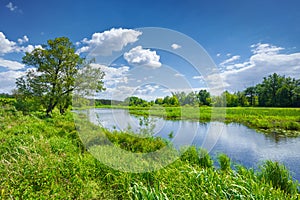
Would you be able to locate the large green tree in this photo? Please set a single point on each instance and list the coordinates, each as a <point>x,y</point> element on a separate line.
<point>276,90</point>
<point>296,93</point>
<point>267,90</point>
<point>57,72</point>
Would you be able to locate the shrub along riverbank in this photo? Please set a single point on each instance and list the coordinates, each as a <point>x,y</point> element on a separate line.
<point>43,158</point>
<point>283,121</point>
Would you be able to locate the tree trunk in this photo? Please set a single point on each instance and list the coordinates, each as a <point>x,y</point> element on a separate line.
<point>49,109</point>
<point>51,106</point>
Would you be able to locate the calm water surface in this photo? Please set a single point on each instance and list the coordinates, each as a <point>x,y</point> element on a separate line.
<point>243,145</point>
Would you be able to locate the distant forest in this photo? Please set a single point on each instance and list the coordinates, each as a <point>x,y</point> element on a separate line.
<point>273,91</point>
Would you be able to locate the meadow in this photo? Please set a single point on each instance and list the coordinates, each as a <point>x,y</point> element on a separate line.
<point>44,158</point>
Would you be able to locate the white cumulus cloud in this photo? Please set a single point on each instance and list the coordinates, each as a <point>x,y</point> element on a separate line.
<point>146,89</point>
<point>266,59</point>
<point>197,77</point>
<point>8,79</point>
<point>113,76</point>
<point>108,41</point>
<point>11,65</point>
<point>142,57</point>
<point>6,46</point>
<point>175,46</point>
<point>178,75</point>
<point>11,6</point>
<point>30,48</point>
<point>230,60</point>
<point>23,40</point>
<point>269,49</point>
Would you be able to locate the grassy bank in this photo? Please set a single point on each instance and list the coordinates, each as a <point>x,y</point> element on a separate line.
<point>43,158</point>
<point>285,121</point>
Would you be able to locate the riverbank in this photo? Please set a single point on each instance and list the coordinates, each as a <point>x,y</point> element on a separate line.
<point>43,158</point>
<point>281,121</point>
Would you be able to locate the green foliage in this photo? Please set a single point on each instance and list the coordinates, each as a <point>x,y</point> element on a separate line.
<point>204,158</point>
<point>250,93</point>
<point>278,91</point>
<point>278,175</point>
<point>136,144</point>
<point>224,162</point>
<point>135,101</point>
<point>186,99</point>
<point>168,101</point>
<point>173,101</point>
<point>219,101</point>
<point>190,155</point>
<point>231,99</point>
<point>204,97</point>
<point>27,104</point>
<point>55,77</point>
<point>7,101</point>
<point>100,102</point>
<point>139,191</point>
<point>159,101</point>
<point>146,126</point>
<point>196,156</point>
<point>274,91</point>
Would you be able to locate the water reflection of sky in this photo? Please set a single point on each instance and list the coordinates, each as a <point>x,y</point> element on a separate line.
<point>243,145</point>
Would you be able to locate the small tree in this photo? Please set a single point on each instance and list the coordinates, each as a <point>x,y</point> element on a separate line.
<point>58,72</point>
<point>250,94</point>
<point>159,101</point>
<point>204,97</point>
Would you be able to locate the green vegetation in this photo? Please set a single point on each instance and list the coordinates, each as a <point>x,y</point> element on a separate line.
<point>224,161</point>
<point>278,175</point>
<point>273,91</point>
<point>135,101</point>
<point>285,121</point>
<point>43,158</point>
<point>59,71</point>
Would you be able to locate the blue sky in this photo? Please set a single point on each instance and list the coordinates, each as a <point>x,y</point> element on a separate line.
<point>247,40</point>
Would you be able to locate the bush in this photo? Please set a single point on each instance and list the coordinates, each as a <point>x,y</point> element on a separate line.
<point>204,158</point>
<point>279,176</point>
<point>224,162</point>
<point>196,157</point>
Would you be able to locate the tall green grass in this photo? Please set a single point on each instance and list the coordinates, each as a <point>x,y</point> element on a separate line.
<point>224,162</point>
<point>43,158</point>
<point>278,176</point>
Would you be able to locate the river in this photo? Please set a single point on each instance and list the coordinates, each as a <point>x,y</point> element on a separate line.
<point>243,145</point>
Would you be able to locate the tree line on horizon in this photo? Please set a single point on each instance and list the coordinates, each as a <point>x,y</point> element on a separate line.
<point>274,91</point>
